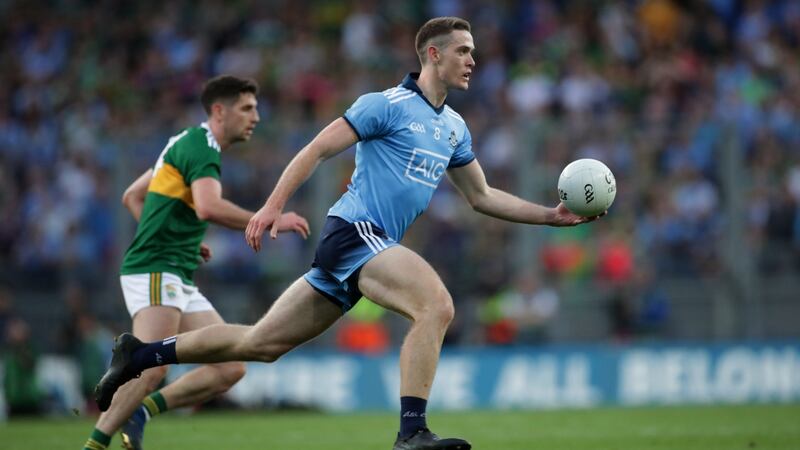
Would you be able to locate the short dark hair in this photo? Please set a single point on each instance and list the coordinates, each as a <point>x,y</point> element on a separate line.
<point>438,26</point>
<point>226,87</point>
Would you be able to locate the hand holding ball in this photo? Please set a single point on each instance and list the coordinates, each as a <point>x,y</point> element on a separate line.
<point>587,187</point>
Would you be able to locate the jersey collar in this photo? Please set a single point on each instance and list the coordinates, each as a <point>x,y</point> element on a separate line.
<point>212,141</point>
<point>410,82</point>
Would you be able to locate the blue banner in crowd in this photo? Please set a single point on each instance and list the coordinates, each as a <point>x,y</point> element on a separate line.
<point>535,378</point>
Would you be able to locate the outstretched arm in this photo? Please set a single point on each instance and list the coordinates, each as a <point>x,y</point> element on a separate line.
<point>134,195</point>
<point>334,139</point>
<point>210,205</point>
<point>471,182</point>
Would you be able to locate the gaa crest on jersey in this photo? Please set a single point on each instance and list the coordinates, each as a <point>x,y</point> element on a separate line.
<point>417,127</point>
<point>453,140</point>
<point>172,291</point>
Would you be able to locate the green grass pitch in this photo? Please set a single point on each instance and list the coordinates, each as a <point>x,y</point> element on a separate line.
<point>769,427</point>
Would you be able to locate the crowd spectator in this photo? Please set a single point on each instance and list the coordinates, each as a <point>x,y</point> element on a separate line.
<point>20,359</point>
<point>522,313</point>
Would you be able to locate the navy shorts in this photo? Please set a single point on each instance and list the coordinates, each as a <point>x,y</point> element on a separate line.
<point>343,249</point>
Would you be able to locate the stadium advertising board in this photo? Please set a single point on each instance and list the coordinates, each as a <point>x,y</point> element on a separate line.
<point>532,378</point>
<point>509,378</point>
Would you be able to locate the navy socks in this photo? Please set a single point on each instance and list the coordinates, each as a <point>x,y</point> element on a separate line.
<point>412,415</point>
<point>154,354</point>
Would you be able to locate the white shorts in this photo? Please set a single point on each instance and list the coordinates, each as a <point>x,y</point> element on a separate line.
<point>142,290</point>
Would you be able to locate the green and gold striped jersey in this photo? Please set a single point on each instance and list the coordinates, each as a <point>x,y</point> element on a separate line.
<point>169,234</point>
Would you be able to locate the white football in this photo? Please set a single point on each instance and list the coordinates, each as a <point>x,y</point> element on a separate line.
<point>587,187</point>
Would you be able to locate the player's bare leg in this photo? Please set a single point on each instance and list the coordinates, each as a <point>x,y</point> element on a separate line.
<point>155,322</point>
<point>400,280</point>
<point>299,314</point>
<point>151,323</point>
<point>207,381</point>
<point>196,386</point>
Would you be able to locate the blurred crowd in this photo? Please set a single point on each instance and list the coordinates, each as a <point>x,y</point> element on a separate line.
<point>694,105</point>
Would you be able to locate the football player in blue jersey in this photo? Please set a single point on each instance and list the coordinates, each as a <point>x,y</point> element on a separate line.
<point>406,139</point>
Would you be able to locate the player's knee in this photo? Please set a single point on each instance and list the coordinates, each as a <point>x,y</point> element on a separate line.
<point>438,310</point>
<point>444,312</point>
<point>232,372</point>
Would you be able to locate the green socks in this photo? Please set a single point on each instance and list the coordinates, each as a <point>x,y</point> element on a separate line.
<point>154,404</point>
<point>97,441</point>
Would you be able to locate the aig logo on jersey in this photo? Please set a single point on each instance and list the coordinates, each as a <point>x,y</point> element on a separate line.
<point>426,167</point>
<point>417,127</point>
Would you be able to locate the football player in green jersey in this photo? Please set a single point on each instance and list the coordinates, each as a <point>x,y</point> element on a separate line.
<point>173,202</point>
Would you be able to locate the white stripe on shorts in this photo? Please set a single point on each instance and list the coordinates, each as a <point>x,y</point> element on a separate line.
<point>377,238</point>
<point>365,238</point>
<point>367,227</point>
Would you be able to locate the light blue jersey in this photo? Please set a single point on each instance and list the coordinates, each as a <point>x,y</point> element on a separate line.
<point>405,145</point>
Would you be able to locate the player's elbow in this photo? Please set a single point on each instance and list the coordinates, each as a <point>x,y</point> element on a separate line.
<point>204,212</point>
<point>129,197</point>
<point>477,203</point>
<point>474,204</point>
<point>481,200</point>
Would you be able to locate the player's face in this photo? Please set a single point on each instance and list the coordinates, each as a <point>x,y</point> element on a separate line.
<point>240,118</point>
<point>456,62</point>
